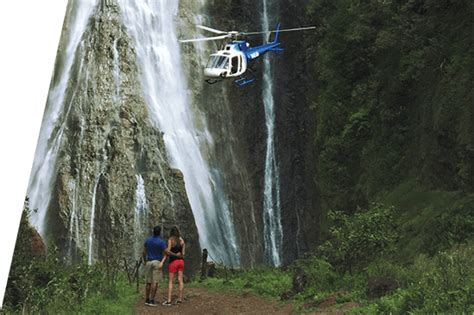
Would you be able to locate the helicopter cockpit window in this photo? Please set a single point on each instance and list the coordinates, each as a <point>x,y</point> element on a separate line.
<point>234,65</point>
<point>219,62</point>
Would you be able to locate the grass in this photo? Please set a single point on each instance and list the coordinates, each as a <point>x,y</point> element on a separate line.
<point>52,288</point>
<point>266,282</point>
<point>122,300</point>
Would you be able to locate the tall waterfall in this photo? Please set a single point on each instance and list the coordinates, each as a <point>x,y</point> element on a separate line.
<point>273,232</point>
<point>151,25</point>
<point>43,170</point>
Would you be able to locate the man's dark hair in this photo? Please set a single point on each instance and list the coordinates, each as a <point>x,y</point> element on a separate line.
<point>157,230</point>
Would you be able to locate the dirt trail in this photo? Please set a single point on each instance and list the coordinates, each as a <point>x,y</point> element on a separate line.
<point>200,301</point>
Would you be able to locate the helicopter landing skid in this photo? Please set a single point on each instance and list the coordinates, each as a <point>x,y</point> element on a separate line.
<point>213,81</point>
<point>243,81</point>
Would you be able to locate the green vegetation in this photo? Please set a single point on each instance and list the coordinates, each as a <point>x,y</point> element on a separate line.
<point>430,221</point>
<point>393,97</point>
<point>361,263</point>
<point>41,282</point>
<point>267,282</point>
<point>356,240</point>
<point>443,283</point>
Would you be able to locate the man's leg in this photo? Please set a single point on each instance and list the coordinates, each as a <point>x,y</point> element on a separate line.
<point>147,291</point>
<point>154,283</point>
<point>154,287</point>
<point>148,280</point>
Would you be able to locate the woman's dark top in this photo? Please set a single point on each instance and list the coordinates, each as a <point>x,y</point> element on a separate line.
<point>177,248</point>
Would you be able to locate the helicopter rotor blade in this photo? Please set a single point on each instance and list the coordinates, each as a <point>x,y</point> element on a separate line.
<point>203,39</point>
<point>212,30</point>
<point>282,30</point>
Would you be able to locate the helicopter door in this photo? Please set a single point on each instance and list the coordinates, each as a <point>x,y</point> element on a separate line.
<point>235,65</point>
<point>241,64</point>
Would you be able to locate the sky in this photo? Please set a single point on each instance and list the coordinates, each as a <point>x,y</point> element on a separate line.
<point>29,37</point>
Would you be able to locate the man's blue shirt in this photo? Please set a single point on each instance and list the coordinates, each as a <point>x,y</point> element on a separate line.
<point>154,248</point>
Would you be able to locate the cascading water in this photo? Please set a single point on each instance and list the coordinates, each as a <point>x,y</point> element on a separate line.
<point>151,25</point>
<point>140,215</point>
<point>273,232</point>
<point>40,186</point>
<point>91,228</point>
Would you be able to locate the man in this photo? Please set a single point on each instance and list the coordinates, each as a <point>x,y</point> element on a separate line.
<point>153,255</point>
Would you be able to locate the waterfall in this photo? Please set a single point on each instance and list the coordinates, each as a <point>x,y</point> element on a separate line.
<point>140,215</point>
<point>42,173</point>
<point>91,227</point>
<point>73,221</point>
<point>102,167</point>
<point>151,25</point>
<point>272,229</point>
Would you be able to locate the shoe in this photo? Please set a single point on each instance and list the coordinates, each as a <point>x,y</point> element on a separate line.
<point>178,302</point>
<point>152,303</point>
<point>147,302</point>
<point>166,303</point>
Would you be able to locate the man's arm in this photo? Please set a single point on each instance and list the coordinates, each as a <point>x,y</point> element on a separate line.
<point>144,254</point>
<point>165,256</point>
<point>169,252</point>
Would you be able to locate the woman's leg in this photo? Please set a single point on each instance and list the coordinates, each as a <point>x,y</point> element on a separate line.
<point>170,285</point>
<point>181,285</point>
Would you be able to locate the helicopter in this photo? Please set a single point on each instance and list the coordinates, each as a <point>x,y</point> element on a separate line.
<point>234,59</point>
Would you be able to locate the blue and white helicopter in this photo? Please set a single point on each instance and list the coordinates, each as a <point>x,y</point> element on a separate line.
<point>233,61</point>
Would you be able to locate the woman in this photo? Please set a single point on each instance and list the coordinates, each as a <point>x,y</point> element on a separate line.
<point>175,251</point>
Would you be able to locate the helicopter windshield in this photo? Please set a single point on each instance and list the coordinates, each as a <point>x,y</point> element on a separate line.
<point>219,62</point>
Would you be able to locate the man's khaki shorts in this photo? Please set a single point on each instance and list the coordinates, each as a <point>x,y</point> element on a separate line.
<point>152,271</point>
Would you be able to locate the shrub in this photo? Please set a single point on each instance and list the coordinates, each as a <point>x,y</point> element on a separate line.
<point>319,273</point>
<point>444,283</point>
<point>354,241</point>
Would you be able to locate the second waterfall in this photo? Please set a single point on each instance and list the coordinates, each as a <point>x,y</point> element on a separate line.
<point>273,232</point>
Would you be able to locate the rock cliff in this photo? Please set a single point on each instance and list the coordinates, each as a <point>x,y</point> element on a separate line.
<point>113,181</point>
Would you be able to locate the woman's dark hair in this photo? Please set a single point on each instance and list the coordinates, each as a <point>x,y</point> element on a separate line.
<point>174,234</point>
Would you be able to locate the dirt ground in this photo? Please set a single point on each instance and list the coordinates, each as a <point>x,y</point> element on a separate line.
<point>201,301</point>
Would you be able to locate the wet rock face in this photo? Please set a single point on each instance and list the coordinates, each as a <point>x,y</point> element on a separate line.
<point>236,119</point>
<point>108,147</point>
<point>295,121</point>
<point>236,149</point>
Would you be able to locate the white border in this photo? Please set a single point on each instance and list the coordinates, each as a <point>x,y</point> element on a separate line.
<point>29,35</point>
